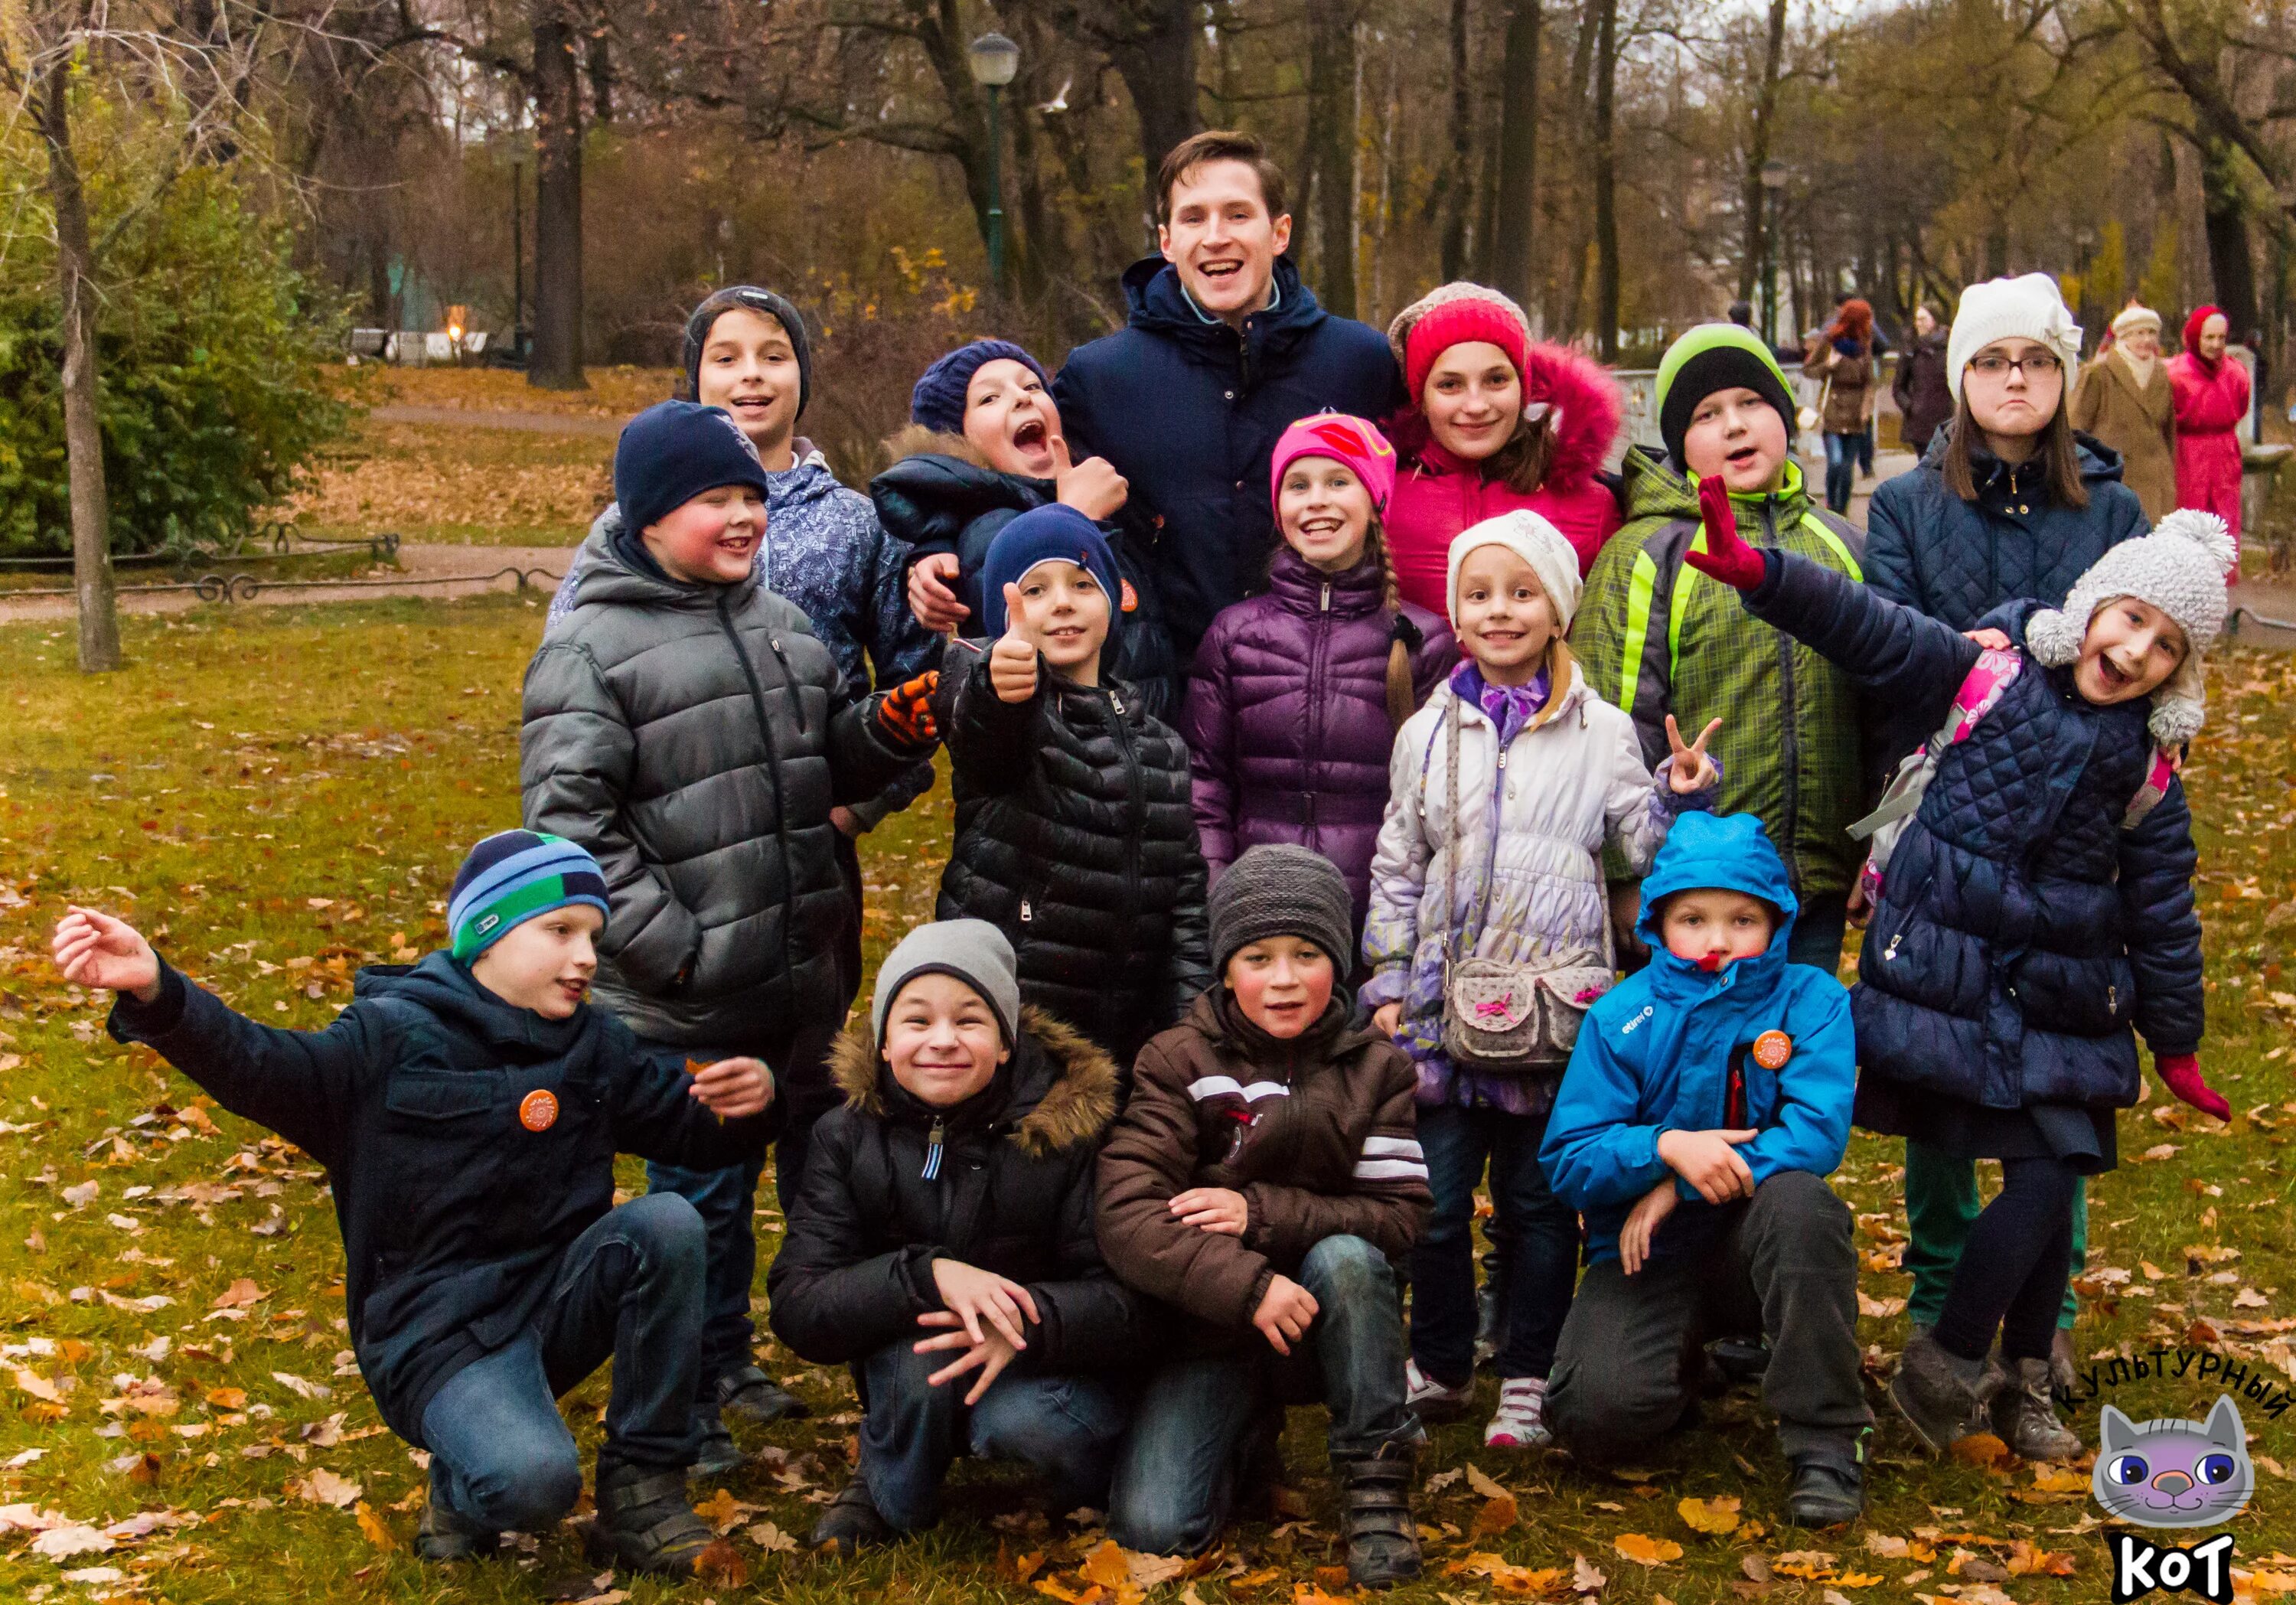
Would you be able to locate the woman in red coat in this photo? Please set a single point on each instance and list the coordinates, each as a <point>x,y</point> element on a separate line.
<point>1496,422</point>
<point>2212,405</point>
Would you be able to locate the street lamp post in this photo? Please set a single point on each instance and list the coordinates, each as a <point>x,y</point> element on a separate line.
<point>993,59</point>
<point>1774,185</point>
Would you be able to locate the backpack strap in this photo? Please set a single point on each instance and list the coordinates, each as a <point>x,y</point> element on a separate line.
<point>2160,774</point>
<point>1980,688</point>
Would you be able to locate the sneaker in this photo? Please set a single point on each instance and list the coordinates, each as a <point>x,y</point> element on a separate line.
<point>1382,1540</point>
<point>1828,1487</point>
<point>2025,1415</point>
<point>755,1397</point>
<point>1520,1421</point>
<point>1433,1401</point>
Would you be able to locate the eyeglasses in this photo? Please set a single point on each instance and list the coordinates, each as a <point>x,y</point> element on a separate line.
<point>2033,365</point>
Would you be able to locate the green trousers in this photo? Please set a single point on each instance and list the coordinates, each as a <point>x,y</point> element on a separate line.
<point>1940,1204</point>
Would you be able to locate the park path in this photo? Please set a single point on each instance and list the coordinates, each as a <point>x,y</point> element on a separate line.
<point>454,570</point>
<point>484,418</point>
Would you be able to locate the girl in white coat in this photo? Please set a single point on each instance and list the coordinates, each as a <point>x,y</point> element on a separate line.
<point>1548,773</point>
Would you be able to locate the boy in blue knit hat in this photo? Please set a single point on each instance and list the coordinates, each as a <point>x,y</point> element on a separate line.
<point>1075,834</point>
<point>687,725</point>
<point>468,1110</point>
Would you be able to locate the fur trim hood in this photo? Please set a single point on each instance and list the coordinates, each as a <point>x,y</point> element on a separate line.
<point>1589,406</point>
<point>915,440</point>
<point>1067,1086</point>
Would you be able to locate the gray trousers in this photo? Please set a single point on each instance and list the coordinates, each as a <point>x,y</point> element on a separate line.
<point>1782,1263</point>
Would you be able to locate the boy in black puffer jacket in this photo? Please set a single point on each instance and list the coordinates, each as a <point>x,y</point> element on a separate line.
<point>688,727</point>
<point>1076,834</point>
<point>983,447</point>
<point>467,1110</point>
<point>943,1245</point>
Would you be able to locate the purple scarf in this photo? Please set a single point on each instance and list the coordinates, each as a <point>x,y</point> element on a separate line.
<point>1509,707</point>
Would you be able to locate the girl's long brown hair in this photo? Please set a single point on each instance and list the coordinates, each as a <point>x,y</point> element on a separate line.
<point>2060,460</point>
<point>1402,694</point>
<point>1522,463</point>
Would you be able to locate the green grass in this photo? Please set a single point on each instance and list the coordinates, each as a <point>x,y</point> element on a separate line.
<point>248,763</point>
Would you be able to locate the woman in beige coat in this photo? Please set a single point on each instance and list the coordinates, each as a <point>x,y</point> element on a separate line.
<point>2125,399</point>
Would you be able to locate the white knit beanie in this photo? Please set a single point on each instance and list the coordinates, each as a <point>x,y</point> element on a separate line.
<point>2180,569</point>
<point>2026,307</point>
<point>2134,316</point>
<point>1532,539</point>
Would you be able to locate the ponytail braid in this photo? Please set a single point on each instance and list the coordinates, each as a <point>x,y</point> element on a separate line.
<point>1402,693</point>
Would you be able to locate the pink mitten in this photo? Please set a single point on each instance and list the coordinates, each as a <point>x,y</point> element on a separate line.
<point>1726,558</point>
<point>2180,1073</point>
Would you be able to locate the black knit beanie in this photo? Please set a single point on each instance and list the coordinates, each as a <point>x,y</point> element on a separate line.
<point>1281,891</point>
<point>749,298</point>
<point>1710,358</point>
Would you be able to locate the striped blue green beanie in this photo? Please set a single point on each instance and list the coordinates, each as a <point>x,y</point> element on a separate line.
<point>514,875</point>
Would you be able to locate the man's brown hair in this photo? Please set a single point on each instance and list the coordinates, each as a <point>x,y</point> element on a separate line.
<point>1219,144</point>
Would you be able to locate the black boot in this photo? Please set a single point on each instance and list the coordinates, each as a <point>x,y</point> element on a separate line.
<point>645,1521</point>
<point>1942,1397</point>
<point>1382,1542</point>
<point>442,1536</point>
<point>1829,1487</point>
<point>851,1522</point>
<point>755,1397</point>
<point>717,1453</point>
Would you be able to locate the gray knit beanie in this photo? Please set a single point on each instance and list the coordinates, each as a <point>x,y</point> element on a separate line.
<point>1282,891</point>
<point>973,951</point>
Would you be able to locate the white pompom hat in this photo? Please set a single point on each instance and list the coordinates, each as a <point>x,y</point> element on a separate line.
<point>2180,569</point>
<point>2028,307</point>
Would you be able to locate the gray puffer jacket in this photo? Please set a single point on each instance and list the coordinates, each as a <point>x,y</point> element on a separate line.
<point>694,738</point>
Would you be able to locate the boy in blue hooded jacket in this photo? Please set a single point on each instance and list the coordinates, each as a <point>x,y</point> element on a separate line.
<point>1707,1101</point>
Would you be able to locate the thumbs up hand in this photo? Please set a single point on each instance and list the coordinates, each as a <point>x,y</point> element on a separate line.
<point>1013,660</point>
<point>1092,487</point>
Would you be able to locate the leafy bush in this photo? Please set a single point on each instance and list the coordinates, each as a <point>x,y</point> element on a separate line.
<point>211,350</point>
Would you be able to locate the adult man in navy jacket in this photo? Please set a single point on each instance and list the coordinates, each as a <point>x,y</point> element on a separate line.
<point>1226,348</point>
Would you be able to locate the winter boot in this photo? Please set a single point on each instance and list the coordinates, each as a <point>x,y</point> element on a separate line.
<point>1829,1485</point>
<point>1941,1396</point>
<point>1382,1542</point>
<point>645,1522</point>
<point>720,1453</point>
<point>851,1523</point>
<point>2025,1415</point>
<point>443,1536</point>
<point>755,1397</point>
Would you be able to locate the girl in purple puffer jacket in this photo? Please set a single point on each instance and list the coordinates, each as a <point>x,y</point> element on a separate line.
<point>1297,694</point>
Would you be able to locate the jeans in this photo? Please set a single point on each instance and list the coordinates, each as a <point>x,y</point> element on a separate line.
<point>1537,1238</point>
<point>628,1290</point>
<point>1841,470</point>
<point>1864,438</point>
<point>1176,1475</point>
<point>1941,1205</point>
<point>1632,1357</point>
<point>1066,1428</point>
<point>2012,1271</point>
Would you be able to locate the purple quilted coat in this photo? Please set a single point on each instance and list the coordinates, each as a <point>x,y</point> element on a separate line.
<point>1286,716</point>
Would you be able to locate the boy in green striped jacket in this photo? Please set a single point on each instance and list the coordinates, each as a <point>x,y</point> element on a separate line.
<point>1657,637</point>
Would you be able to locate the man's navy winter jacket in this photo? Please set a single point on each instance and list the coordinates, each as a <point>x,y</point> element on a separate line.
<point>1188,410</point>
<point>422,1100</point>
<point>2021,929</point>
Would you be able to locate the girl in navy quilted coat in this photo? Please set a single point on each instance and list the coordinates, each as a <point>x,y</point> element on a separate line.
<point>1297,694</point>
<point>2037,906</point>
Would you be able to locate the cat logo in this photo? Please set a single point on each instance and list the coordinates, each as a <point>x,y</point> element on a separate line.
<point>2173,1473</point>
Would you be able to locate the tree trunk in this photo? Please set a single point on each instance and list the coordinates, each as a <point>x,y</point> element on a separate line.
<point>1157,61</point>
<point>556,363</point>
<point>1458,179</point>
<point>600,64</point>
<point>91,513</point>
<point>1332,176</point>
<point>2231,269</point>
<point>1606,176</point>
<point>1750,193</point>
<point>1516,184</point>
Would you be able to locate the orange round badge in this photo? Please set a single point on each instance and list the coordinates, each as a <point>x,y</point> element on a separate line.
<point>539,1109</point>
<point>1772,1049</point>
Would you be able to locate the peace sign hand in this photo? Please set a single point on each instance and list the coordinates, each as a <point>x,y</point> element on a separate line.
<point>1013,660</point>
<point>1690,770</point>
<point>1092,487</point>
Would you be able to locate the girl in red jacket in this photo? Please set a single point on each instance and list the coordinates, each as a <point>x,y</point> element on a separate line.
<point>1495,423</point>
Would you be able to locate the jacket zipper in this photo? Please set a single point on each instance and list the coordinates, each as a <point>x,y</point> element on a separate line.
<point>933,1140</point>
<point>1788,837</point>
<point>1137,808</point>
<point>1318,653</point>
<point>789,957</point>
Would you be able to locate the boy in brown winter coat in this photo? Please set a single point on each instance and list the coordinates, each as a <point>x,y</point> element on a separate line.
<point>1264,1179</point>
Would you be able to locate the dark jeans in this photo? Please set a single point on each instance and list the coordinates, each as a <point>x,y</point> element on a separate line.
<point>1865,450</point>
<point>1066,1428</point>
<point>1534,1233</point>
<point>1841,470</point>
<point>2014,1266</point>
<point>1631,1357</point>
<point>1176,1475</point>
<point>628,1290</point>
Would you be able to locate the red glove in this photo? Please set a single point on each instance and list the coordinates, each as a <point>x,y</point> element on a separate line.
<point>1726,558</point>
<point>2180,1073</point>
<point>906,712</point>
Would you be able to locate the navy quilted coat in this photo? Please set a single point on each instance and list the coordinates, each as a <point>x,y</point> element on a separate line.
<point>1286,719</point>
<point>1188,410</point>
<point>2022,931</point>
<point>1957,561</point>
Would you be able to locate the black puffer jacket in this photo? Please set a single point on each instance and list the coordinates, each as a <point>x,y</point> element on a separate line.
<point>942,496</point>
<point>1014,1195</point>
<point>694,738</point>
<point>1076,836</point>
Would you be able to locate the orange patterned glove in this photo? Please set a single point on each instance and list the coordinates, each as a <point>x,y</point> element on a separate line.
<point>906,713</point>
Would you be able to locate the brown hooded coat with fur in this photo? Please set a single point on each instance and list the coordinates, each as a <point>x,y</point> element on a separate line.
<point>1013,1194</point>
